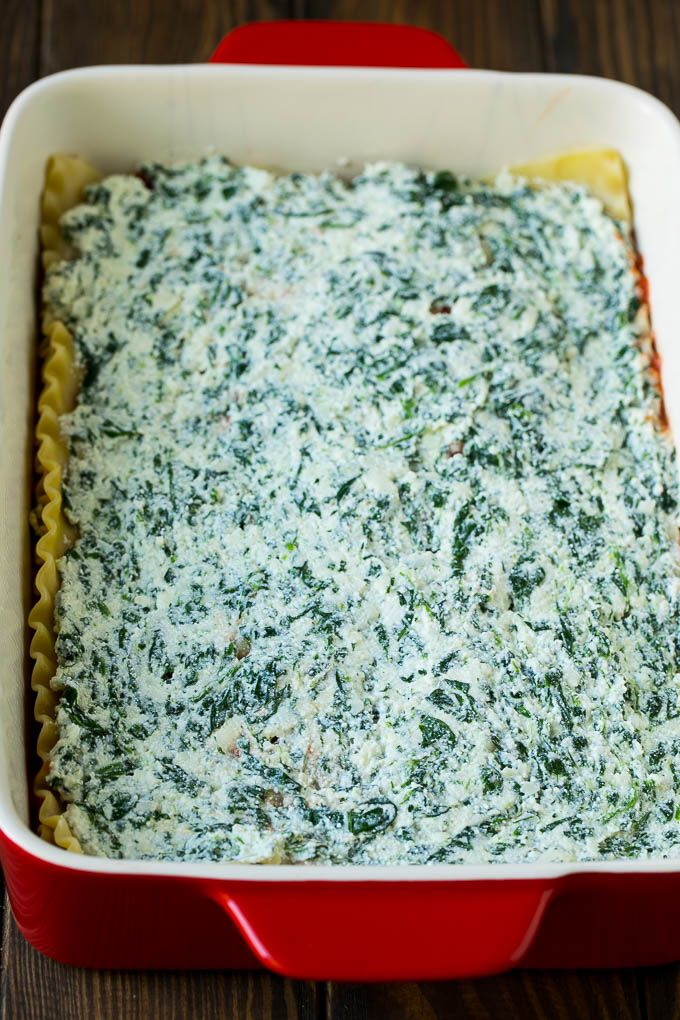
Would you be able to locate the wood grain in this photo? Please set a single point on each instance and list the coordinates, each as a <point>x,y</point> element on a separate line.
<point>528,995</point>
<point>659,992</point>
<point>635,40</point>
<point>18,48</point>
<point>35,988</point>
<point>141,31</point>
<point>492,33</point>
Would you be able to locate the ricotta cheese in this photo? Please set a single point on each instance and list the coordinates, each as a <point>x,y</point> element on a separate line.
<point>377,554</point>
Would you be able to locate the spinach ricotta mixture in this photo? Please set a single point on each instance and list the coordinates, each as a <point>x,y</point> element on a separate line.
<point>377,551</point>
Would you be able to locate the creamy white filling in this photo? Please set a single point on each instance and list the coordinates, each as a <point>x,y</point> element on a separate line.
<point>378,530</point>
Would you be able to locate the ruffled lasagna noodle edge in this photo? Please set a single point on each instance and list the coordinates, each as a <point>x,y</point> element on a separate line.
<point>602,171</point>
<point>66,177</point>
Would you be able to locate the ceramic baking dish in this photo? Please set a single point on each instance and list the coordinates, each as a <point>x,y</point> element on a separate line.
<point>343,922</point>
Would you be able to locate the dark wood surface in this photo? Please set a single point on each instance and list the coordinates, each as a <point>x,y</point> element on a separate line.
<point>637,41</point>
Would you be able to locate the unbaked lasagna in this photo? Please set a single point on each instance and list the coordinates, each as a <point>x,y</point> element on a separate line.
<point>372,523</point>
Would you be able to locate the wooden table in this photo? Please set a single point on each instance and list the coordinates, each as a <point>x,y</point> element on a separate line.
<point>637,41</point>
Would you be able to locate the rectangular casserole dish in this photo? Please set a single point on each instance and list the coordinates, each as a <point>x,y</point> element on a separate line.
<point>318,922</point>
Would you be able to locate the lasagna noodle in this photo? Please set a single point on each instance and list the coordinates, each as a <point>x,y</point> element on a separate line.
<point>65,180</point>
<point>601,171</point>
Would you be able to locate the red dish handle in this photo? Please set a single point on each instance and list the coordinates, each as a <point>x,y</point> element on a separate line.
<point>382,931</point>
<point>337,44</point>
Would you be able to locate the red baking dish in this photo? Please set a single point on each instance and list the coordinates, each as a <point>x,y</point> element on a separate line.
<point>318,922</point>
